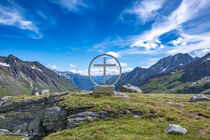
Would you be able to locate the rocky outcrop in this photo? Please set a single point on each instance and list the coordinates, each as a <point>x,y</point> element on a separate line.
<point>34,116</point>
<point>175,129</point>
<point>40,116</point>
<point>43,115</point>
<point>199,97</point>
<point>130,88</point>
<point>75,119</point>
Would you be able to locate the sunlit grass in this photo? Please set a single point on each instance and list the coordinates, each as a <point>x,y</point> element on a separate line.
<point>157,113</point>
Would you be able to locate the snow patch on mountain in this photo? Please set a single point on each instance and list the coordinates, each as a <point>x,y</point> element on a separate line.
<point>35,68</point>
<point>4,64</point>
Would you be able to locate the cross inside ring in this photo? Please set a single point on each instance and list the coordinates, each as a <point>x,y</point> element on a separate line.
<point>104,65</point>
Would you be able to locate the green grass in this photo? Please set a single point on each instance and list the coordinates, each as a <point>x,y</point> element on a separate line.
<point>206,91</point>
<point>129,128</point>
<point>4,137</point>
<point>194,117</point>
<point>157,113</point>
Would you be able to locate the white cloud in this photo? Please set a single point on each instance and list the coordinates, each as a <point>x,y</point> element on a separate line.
<point>136,51</point>
<point>99,71</point>
<point>179,41</point>
<point>107,43</point>
<point>123,64</point>
<point>195,42</point>
<point>145,10</point>
<point>71,5</point>
<point>162,46</point>
<point>12,16</point>
<point>73,66</point>
<point>112,61</point>
<point>115,54</point>
<point>141,43</point>
<point>187,11</point>
<point>201,52</point>
<point>54,67</point>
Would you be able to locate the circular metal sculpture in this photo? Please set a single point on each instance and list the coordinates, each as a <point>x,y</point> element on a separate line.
<point>104,65</point>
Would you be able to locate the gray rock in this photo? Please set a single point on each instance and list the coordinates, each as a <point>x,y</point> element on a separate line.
<point>58,94</point>
<point>199,97</point>
<point>34,136</point>
<point>4,131</point>
<point>175,129</point>
<point>4,99</point>
<point>102,114</point>
<point>20,128</point>
<point>129,88</point>
<point>15,104</point>
<point>74,120</point>
<point>119,94</point>
<point>7,132</point>
<point>37,116</point>
<point>54,119</point>
<point>26,138</point>
<point>84,92</point>
<point>34,125</point>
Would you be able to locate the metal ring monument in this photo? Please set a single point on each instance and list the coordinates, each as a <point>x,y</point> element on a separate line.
<point>104,89</point>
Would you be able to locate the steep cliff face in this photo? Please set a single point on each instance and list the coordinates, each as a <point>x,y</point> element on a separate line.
<point>20,77</point>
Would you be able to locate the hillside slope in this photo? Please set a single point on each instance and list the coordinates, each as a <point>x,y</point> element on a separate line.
<point>20,77</point>
<point>191,78</point>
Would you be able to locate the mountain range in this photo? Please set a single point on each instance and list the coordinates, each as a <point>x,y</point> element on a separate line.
<point>21,77</point>
<point>180,73</point>
<point>137,75</point>
<point>193,77</point>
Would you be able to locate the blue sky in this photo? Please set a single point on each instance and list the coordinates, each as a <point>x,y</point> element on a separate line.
<point>67,34</point>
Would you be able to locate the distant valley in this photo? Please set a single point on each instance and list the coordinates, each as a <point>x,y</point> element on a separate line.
<point>82,82</point>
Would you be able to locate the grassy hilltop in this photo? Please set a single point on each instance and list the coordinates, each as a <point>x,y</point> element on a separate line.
<point>157,110</point>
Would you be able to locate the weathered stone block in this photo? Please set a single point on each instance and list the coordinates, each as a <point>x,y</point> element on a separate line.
<point>107,89</point>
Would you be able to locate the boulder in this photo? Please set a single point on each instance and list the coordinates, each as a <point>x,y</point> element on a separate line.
<point>130,88</point>
<point>175,129</point>
<point>119,94</point>
<point>199,97</point>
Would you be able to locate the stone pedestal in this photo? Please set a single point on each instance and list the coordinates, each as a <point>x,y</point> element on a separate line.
<point>107,89</point>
